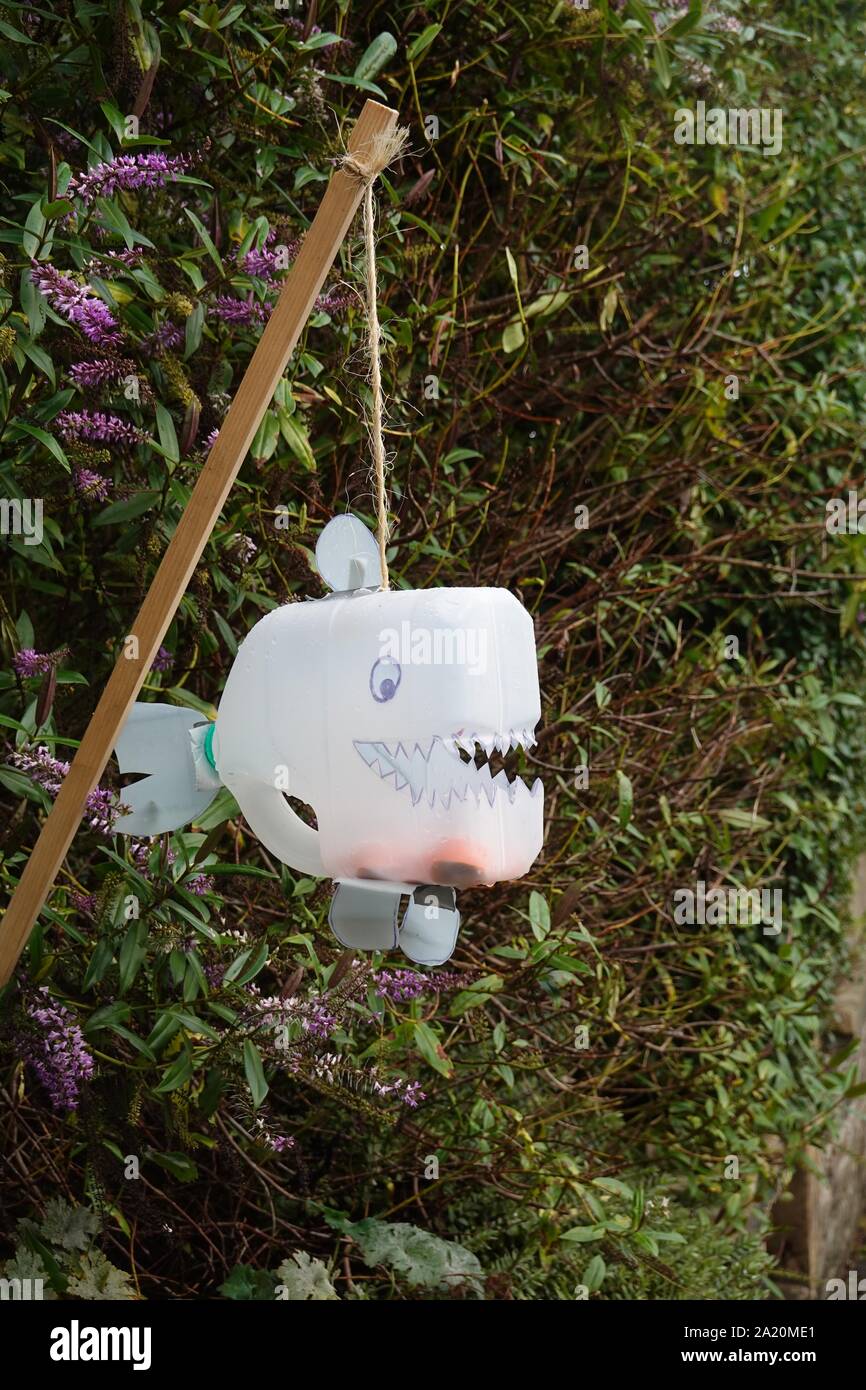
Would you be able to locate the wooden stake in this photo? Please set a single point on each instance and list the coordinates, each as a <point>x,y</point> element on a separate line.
<point>275,347</point>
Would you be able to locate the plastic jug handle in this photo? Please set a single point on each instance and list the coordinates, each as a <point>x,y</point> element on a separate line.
<point>279,828</point>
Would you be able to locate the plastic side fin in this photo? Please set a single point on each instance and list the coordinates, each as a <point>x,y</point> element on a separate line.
<point>365,917</point>
<point>430,925</point>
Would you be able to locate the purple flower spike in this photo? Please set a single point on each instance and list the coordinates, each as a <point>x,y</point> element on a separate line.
<point>242,311</point>
<point>102,806</point>
<point>101,371</point>
<point>127,172</point>
<point>28,662</point>
<point>95,425</point>
<point>78,304</point>
<point>90,486</point>
<point>54,1048</point>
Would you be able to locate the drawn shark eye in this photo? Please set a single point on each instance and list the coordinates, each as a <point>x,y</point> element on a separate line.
<point>384,679</point>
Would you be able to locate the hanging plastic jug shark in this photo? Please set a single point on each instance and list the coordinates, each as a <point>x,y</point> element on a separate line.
<point>379,709</point>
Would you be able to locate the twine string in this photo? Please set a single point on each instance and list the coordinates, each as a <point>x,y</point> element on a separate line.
<point>382,150</point>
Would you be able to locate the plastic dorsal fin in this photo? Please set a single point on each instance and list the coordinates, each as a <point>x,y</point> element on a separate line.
<point>347,555</point>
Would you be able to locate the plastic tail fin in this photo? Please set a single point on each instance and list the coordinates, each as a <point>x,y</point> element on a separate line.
<point>164,741</point>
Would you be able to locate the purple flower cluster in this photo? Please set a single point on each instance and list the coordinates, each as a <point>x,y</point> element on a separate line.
<point>163,339</point>
<point>330,1066</point>
<point>211,440</point>
<point>55,1049</point>
<point>90,486</point>
<point>139,853</point>
<point>162,661</point>
<point>335,299</point>
<point>102,807</point>
<point>244,548</point>
<point>96,425</point>
<point>280,1142</point>
<point>318,1021</point>
<point>128,259</point>
<point>399,986</point>
<point>262,261</point>
<point>200,884</point>
<point>274,1013</point>
<point>127,172</point>
<point>84,903</point>
<point>28,662</point>
<point>241,311</point>
<point>77,303</point>
<point>101,371</point>
<point>407,1092</point>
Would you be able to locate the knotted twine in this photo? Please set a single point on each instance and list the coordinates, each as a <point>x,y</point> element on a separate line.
<point>377,155</point>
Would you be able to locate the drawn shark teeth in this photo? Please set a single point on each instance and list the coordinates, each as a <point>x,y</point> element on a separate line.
<point>450,766</point>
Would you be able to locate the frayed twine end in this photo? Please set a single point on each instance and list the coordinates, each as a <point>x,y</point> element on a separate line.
<point>376,155</point>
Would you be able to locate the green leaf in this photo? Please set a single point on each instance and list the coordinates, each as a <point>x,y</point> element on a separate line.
<point>178,1164</point>
<point>689,21</point>
<point>34,230</point>
<point>163,1031</point>
<point>35,432</point>
<point>14,34</point>
<point>513,336</point>
<point>546,305</point>
<point>584,1235</point>
<point>254,1072</point>
<point>265,438</point>
<point>190,700</point>
<point>619,1189</point>
<point>97,1278</point>
<point>18,783</point>
<point>101,959</point>
<point>67,1227</point>
<point>295,435</point>
<point>178,1074</point>
<point>252,968</point>
<point>424,1260</point>
<point>193,330</point>
<point>226,633</point>
<point>539,915</point>
<point>593,1275</point>
<point>305,1280</point>
<point>742,820</point>
<point>43,363</point>
<point>167,434</point>
<point>206,240</point>
<point>248,1284</point>
<point>431,1049</point>
<point>625,797</point>
<point>126,509</point>
<point>423,41</point>
<point>380,52</point>
<point>115,120</point>
<point>663,67</point>
<point>479,992</point>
